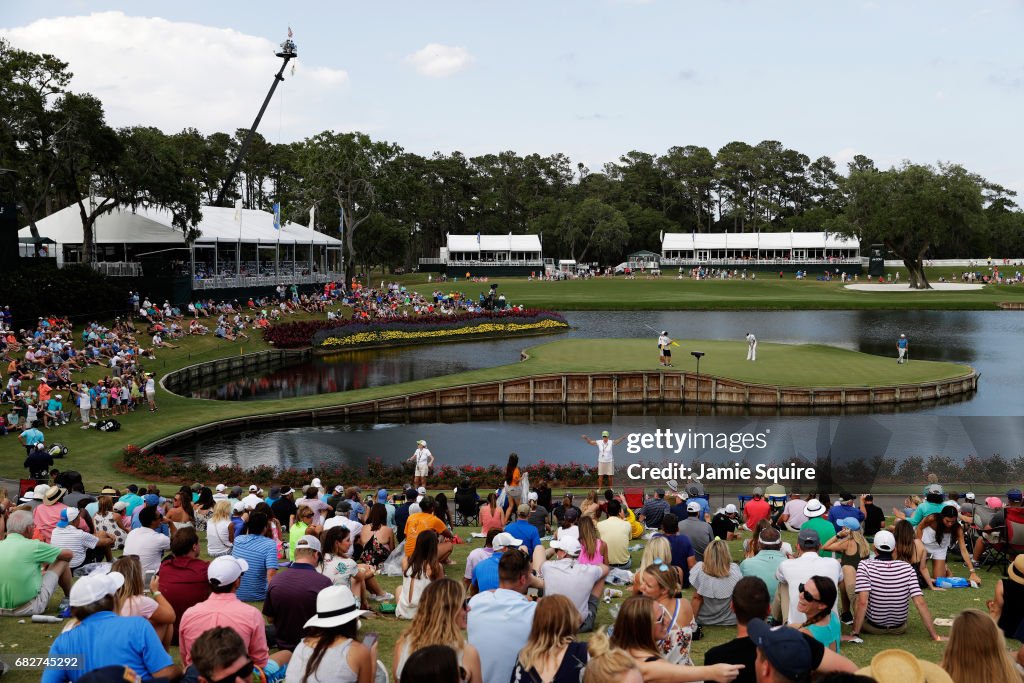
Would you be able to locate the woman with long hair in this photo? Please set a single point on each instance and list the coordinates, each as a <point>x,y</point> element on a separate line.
<point>441,510</point>
<point>330,651</point>
<point>609,665</point>
<point>552,653</point>
<point>591,506</point>
<point>418,572</point>
<point>817,596</point>
<point>937,531</point>
<point>220,532</point>
<point>513,477</point>
<point>490,516</point>
<point>661,585</point>
<point>376,538</point>
<point>109,519</point>
<point>713,580</point>
<point>440,620</point>
<point>567,525</point>
<point>976,651</point>
<point>852,548</point>
<point>181,514</point>
<point>435,664</point>
<point>204,507</point>
<point>641,623</point>
<point>911,550</point>
<point>273,529</point>
<point>594,550</point>
<point>342,570</point>
<point>303,526</point>
<point>659,552</point>
<point>130,599</point>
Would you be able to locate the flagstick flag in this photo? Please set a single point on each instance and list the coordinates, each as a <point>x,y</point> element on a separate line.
<point>289,31</point>
<point>277,215</point>
<point>312,218</point>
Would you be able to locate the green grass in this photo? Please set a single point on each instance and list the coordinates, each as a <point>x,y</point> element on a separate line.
<point>32,638</point>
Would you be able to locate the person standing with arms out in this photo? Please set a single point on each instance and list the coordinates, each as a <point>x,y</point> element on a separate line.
<point>665,349</point>
<point>902,346</point>
<point>424,461</point>
<point>751,346</point>
<point>605,457</point>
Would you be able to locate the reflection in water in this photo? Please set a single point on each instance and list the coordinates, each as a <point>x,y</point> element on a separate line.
<point>987,340</point>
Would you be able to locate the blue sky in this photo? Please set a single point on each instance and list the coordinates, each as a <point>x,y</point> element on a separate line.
<point>925,81</point>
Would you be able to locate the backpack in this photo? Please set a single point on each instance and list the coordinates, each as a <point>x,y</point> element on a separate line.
<point>109,426</point>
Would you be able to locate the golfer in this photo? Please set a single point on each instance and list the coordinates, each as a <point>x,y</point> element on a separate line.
<point>902,346</point>
<point>751,346</point>
<point>605,457</point>
<point>665,349</point>
<point>424,461</point>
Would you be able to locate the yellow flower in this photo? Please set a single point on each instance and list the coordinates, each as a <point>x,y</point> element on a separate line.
<point>378,336</point>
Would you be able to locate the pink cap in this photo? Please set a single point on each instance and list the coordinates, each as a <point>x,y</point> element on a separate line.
<point>994,502</point>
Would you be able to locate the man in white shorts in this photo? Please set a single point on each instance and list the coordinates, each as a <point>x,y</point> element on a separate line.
<point>605,456</point>
<point>424,461</point>
<point>751,346</point>
<point>151,392</point>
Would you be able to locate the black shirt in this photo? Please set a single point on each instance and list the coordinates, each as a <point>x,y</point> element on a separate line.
<point>283,509</point>
<point>743,651</point>
<point>401,517</point>
<point>874,519</point>
<point>722,524</point>
<point>679,510</point>
<point>39,463</point>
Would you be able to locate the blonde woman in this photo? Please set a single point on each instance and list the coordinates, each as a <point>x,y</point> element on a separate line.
<point>713,581</point>
<point>130,599</point>
<point>552,653</point>
<point>220,531</point>
<point>303,526</point>
<point>591,506</point>
<point>852,548</point>
<point>595,551</point>
<point>661,585</point>
<point>659,552</point>
<point>440,620</point>
<point>976,651</point>
<point>610,665</point>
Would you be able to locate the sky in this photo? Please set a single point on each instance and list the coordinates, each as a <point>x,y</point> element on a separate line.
<point>928,81</point>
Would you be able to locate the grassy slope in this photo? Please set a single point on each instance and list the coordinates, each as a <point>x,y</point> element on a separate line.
<point>94,453</point>
<point>36,638</point>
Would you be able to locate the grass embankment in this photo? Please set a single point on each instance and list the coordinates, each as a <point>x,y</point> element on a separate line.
<point>32,638</point>
<point>95,454</point>
<point>764,293</point>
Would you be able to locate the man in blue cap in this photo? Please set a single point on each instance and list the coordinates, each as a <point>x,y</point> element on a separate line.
<point>784,655</point>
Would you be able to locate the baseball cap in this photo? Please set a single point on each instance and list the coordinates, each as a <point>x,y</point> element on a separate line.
<point>253,488</point>
<point>410,494</point>
<point>67,516</point>
<point>338,489</point>
<point>344,506</point>
<point>969,495</point>
<point>151,499</point>
<point>1013,494</point>
<point>994,502</point>
<point>309,543</point>
<point>572,514</point>
<point>94,587</point>
<point>221,488</point>
<point>568,545</point>
<point>239,506</point>
<point>532,496</point>
<point>382,495</point>
<point>505,540</point>
<point>523,509</point>
<point>814,508</point>
<point>421,442</point>
<point>226,569</point>
<point>693,506</point>
<point>885,541</point>
<point>120,505</point>
<point>935,490</point>
<point>808,538</point>
<point>851,523</point>
<point>786,648</point>
<point>730,509</point>
<point>422,490</point>
<point>758,491</point>
<point>605,433</point>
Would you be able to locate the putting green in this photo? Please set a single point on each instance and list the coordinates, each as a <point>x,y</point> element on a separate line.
<point>790,365</point>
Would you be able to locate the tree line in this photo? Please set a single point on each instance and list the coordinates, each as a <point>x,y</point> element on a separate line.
<point>396,205</point>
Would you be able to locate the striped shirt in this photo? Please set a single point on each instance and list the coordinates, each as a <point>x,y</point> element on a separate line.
<point>892,585</point>
<point>260,553</point>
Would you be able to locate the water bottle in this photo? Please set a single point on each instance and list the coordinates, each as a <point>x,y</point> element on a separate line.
<point>614,612</point>
<point>45,619</point>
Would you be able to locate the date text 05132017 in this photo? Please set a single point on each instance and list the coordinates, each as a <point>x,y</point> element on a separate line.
<point>37,662</point>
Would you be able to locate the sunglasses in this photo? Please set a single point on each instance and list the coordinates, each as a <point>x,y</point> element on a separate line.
<point>465,604</point>
<point>807,596</point>
<point>245,673</point>
<point>307,516</point>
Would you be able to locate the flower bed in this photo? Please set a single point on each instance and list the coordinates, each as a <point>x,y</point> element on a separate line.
<point>375,474</point>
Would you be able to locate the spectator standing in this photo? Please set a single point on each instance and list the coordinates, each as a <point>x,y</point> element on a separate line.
<point>260,554</point>
<point>500,621</point>
<point>800,569</point>
<point>291,596</point>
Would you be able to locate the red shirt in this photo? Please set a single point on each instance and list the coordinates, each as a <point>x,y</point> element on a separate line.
<point>755,510</point>
<point>184,583</point>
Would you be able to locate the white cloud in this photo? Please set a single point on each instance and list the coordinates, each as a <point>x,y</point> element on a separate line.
<point>843,157</point>
<point>172,75</point>
<point>439,61</point>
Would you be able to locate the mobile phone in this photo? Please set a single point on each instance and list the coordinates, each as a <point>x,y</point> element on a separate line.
<point>370,639</point>
<point>147,578</point>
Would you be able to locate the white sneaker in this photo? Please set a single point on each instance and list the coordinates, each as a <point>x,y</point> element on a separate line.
<point>84,427</point>
<point>382,598</point>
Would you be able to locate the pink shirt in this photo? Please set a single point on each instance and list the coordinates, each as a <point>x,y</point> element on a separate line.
<point>490,521</point>
<point>224,609</point>
<point>45,518</point>
<point>598,557</point>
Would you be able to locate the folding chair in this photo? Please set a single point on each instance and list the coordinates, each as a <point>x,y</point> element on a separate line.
<point>634,497</point>
<point>1014,532</point>
<point>26,485</point>
<point>467,507</point>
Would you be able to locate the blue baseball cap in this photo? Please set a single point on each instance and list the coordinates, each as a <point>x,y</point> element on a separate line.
<point>786,648</point>
<point>151,499</point>
<point>851,523</point>
<point>382,496</point>
<point>1013,494</point>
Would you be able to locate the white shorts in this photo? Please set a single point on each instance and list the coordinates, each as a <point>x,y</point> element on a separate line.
<point>422,469</point>
<point>935,551</point>
<point>606,468</point>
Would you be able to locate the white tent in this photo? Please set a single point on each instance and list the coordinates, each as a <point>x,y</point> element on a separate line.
<point>679,248</point>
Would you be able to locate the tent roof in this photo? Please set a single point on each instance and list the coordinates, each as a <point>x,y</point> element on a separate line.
<point>462,243</point>
<point>154,226</point>
<point>681,241</point>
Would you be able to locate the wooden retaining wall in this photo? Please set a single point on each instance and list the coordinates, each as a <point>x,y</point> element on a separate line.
<point>180,381</point>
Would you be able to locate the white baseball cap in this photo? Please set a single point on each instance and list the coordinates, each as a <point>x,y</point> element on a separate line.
<point>315,482</point>
<point>221,488</point>
<point>422,490</point>
<point>309,543</point>
<point>421,442</point>
<point>238,507</point>
<point>568,545</point>
<point>226,569</point>
<point>505,540</point>
<point>730,509</point>
<point>693,506</point>
<point>94,587</point>
<point>253,488</point>
<point>885,541</point>
<point>532,496</point>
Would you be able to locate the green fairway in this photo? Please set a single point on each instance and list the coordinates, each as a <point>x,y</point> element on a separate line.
<point>764,293</point>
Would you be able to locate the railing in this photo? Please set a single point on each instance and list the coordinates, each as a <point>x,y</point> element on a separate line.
<point>266,280</point>
<point>449,262</point>
<point>756,262</point>
<point>118,268</point>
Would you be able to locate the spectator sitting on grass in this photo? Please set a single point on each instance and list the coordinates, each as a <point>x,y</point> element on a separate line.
<point>654,509</point>
<point>713,581</point>
<point>523,530</point>
<point>24,589</point>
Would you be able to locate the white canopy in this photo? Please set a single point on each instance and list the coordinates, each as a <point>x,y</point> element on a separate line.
<point>153,226</point>
<point>683,241</point>
<point>469,243</point>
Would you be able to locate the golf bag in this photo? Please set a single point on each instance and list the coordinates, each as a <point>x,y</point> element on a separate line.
<point>110,425</point>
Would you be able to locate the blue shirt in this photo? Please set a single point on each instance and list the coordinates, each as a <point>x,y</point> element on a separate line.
<point>260,553</point>
<point>499,626</point>
<point>704,508</point>
<point>525,532</point>
<point>682,550</point>
<point>841,511</point>
<point>765,566</point>
<point>485,573</point>
<point>33,436</point>
<point>132,500</point>
<point>105,639</point>
<point>902,343</point>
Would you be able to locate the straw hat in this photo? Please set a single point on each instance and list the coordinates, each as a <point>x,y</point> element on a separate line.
<point>54,494</point>
<point>1016,570</point>
<point>899,666</point>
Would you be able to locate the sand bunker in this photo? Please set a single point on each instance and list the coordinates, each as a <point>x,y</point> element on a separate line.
<point>903,287</point>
